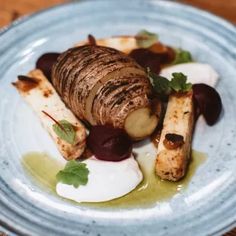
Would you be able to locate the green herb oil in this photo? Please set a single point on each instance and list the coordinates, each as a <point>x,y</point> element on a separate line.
<point>152,189</point>
<point>149,192</point>
<point>43,168</point>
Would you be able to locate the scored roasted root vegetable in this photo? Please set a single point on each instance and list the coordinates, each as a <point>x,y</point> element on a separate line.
<point>174,148</point>
<point>39,93</point>
<point>103,86</point>
<point>140,123</point>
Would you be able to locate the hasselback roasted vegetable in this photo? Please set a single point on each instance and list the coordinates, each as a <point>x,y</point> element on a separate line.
<point>102,85</point>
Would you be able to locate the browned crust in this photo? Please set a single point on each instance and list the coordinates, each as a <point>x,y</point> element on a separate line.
<point>173,141</point>
<point>26,83</point>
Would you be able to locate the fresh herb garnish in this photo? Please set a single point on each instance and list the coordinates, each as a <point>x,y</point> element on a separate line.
<point>75,173</point>
<point>65,130</point>
<point>179,83</point>
<point>163,87</point>
<point>182,56</point>
<point>45,113</point>
<point>145,38</point>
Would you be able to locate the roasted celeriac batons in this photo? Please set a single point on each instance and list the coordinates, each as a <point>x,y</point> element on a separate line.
<point>39,93</point>
<point>173,152</point>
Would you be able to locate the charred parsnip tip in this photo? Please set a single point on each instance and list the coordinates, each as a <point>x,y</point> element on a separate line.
<point>174,148</point>
<point>66,130</point>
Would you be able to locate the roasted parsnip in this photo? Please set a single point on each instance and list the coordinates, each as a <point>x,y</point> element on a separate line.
<point>174,148</point>
<point>39,93</point>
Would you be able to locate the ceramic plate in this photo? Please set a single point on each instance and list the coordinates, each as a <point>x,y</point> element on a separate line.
<point>206,207</point>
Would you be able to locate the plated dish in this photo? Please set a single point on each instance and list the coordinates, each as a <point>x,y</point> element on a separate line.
<point>114,89</point>
<point>109,179</point>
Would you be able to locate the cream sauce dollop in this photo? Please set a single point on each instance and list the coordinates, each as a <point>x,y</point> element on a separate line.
<point>196,73</point>
<point>106,181</point>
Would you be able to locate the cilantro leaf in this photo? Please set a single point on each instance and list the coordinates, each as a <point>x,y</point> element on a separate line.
<point>65,130</point>
<point>75,173</point>
<point>161,85</point>
<point>182,56</point>
<point>179,83</point>
<point>145,38</point>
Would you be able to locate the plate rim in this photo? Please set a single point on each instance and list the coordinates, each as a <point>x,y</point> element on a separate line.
<point>27,18</point>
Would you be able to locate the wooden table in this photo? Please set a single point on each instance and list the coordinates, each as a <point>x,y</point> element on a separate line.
<point>12,9</point>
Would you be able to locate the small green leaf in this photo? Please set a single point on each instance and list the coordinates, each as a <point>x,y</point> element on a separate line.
<point>65,130</point>
<point>160,84</point>
<point>182,56</point>
<point>146,39</point>
<point>75,173</point>
<point>163,87</point>
<point>179,83</point>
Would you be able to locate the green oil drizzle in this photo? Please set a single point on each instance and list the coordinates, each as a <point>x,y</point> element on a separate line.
<point>150,191</point>
<point>43,168</point>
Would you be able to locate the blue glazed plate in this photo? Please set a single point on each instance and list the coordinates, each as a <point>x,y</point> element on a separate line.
<point>206,207</point>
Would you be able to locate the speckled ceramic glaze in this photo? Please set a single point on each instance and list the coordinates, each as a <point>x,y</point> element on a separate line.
<point>206,207</point>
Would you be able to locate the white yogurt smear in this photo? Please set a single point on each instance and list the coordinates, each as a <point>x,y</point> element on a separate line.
<point>196,73</point>
<point>106,181</point>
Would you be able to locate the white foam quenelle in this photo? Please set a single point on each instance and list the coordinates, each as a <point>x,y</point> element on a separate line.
<point>106,181</point>
<point>196,73</point>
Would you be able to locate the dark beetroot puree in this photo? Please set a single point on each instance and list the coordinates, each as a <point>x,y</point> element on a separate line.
<point>207,102</point>
<point>45,63</point>
<point>108,143</point>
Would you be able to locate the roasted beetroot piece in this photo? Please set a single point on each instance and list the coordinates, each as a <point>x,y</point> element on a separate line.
<point>45,63</point>
<point>153,57</point>
<point>108,143</point>
<point>166,53</point>
<point>208,102</point>
<point>147,58</point>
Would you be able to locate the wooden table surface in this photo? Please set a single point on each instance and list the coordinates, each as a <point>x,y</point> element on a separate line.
<point>12,9</point>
